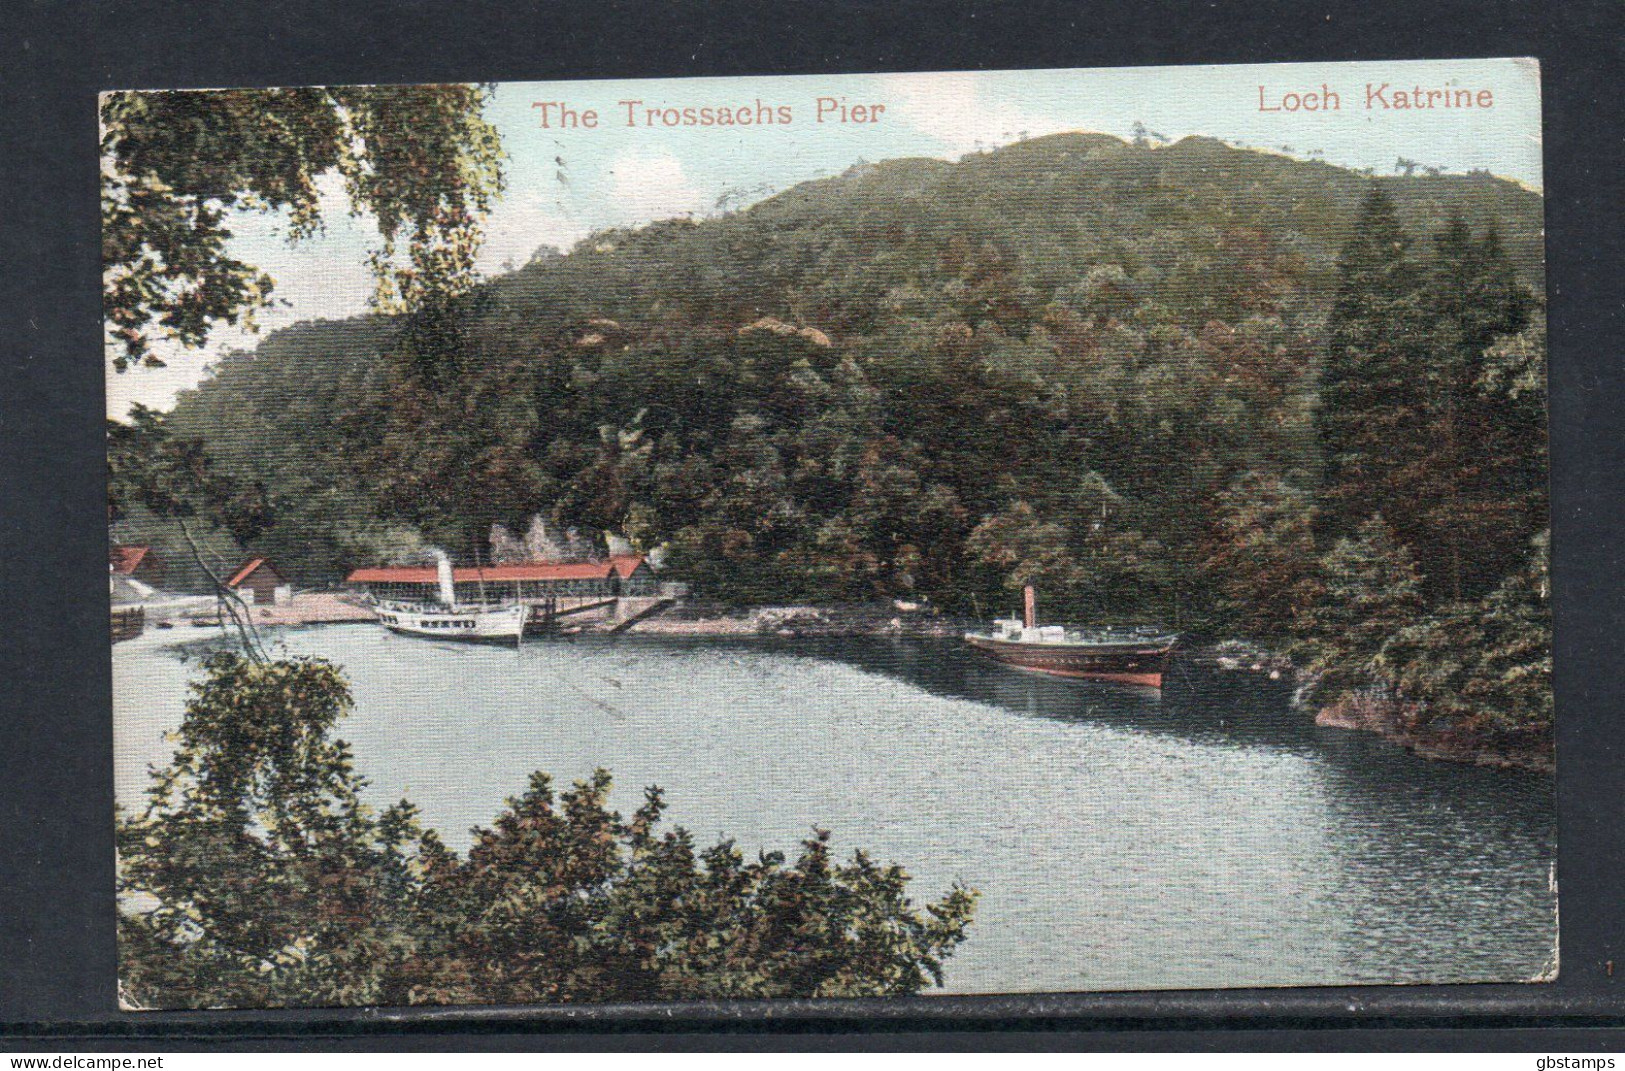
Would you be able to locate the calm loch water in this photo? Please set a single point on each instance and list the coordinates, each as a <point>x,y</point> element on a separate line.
<point>1121,839</point>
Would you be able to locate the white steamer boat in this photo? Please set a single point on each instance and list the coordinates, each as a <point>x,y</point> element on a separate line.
<point>449,620</point>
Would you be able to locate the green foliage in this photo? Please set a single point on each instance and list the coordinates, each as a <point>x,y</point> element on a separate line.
<point>165,491</point>
<point>148,467</point>
<point>1432,411</point>
<point>1413,422</point>
<point>1088,566</point>
<point>1482,671</point>
<point>1376,357</point>
<point>258,872</point>
<point>1484,483</point>
<point>1371,591</point>
<point>177,164</point>
<point>938,343</point>
<point>970,355</point>
<point>1262,556</point>
<point>257,877</point>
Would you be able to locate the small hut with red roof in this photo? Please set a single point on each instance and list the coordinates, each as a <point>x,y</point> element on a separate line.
<point>259,576</point>
<point>137,563</point>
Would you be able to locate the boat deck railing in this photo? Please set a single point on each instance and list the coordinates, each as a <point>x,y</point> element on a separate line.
<point>1097,637</point>
<point>398,606</point>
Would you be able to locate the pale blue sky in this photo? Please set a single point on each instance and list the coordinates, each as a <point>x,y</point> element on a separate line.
<point>565,183</point>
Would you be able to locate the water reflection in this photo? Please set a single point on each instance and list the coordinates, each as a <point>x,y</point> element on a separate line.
<point>1203,707</point>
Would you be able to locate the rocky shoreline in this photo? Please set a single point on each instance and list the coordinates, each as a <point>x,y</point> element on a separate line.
<point>1387,717</point>
<point>703,619</point>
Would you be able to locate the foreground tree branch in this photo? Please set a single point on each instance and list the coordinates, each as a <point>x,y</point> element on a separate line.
<point>421,160</point>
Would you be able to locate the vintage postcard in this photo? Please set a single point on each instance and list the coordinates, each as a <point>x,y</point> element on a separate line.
<point>853,535</point>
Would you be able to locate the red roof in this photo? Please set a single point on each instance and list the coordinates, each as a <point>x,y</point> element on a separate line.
<point>622,566</point>
<point>248,570</point>
<point>627,564</point>
<point>126,560</point>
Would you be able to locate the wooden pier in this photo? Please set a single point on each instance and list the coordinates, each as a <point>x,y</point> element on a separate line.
<point>305,608</point>
<point>547,612</point>
<point>128,622</point>
<point>634,613</point>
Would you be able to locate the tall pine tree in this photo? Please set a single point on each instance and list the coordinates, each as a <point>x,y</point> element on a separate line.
<point>1473,482</point>
<point>1367,422</point>
<point>1411,422</point>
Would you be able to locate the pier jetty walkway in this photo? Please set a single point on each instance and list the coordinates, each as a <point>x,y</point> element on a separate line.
<point>304,608</point>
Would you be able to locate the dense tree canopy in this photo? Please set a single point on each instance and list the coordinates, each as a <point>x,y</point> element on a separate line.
<point>827,394</point>
<point>1433,416</point>
<point>1409,425</point>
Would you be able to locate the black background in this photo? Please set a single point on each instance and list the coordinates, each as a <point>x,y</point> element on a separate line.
<point>57,971</point>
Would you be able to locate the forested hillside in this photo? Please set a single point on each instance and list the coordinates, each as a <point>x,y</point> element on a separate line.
<point>1232,391</point>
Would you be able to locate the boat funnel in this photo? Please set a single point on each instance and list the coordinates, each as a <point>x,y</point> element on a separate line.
<point>448,588</point>
<point>1029,616</point>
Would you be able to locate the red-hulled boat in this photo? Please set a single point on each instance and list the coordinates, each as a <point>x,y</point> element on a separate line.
<point>1126,655</point>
